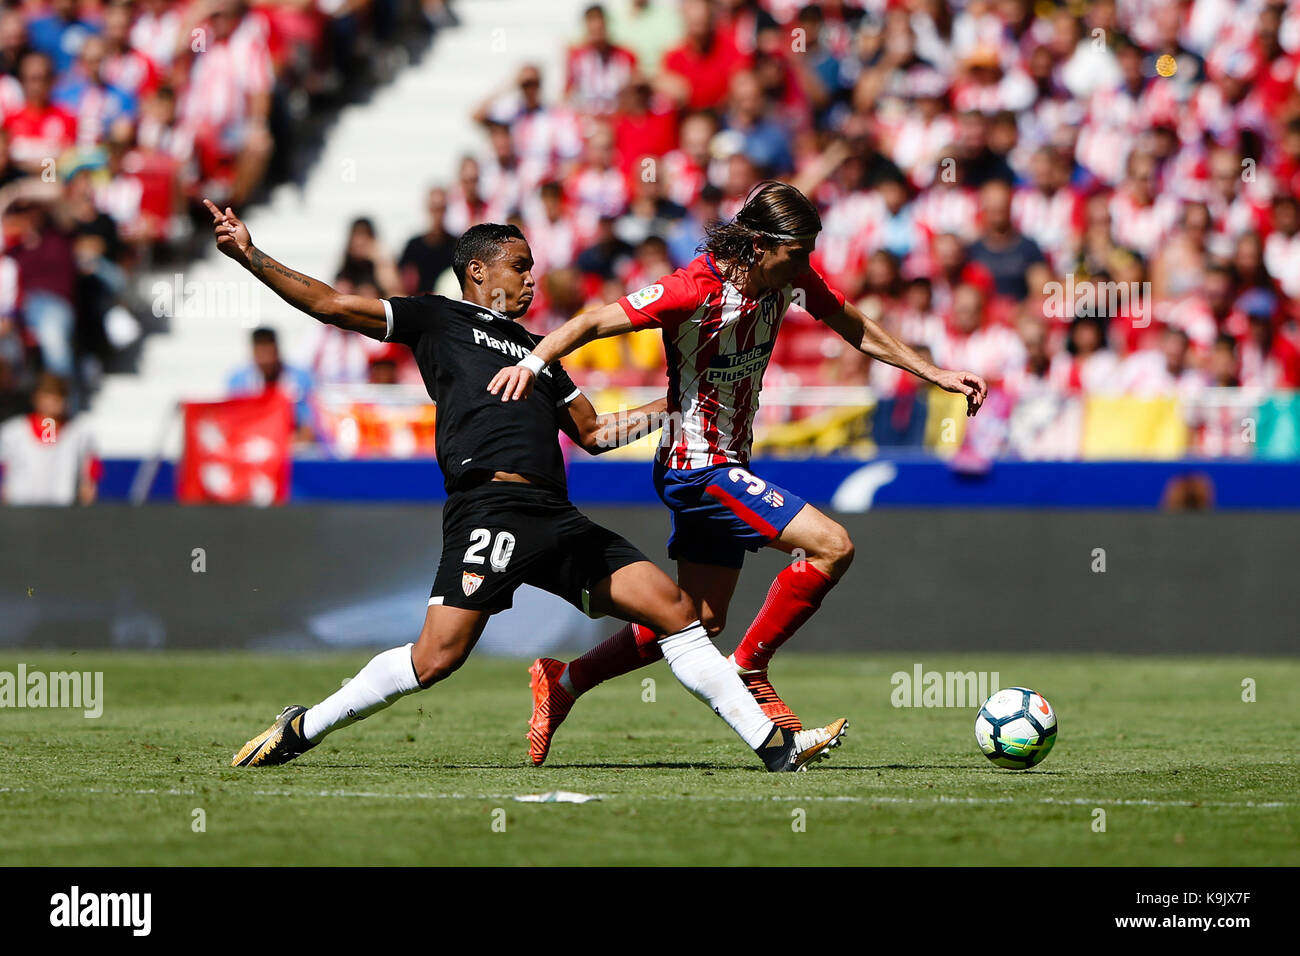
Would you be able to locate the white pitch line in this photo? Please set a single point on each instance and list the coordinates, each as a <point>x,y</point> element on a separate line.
<point>867,800</point>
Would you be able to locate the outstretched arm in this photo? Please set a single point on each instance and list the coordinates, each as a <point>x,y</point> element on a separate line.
<point>516,381</point>
<point>600,433</point>
<point>870,339</point>
<point>356,313</point>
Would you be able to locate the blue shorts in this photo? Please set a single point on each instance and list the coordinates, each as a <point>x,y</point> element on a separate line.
<point>719,513</point>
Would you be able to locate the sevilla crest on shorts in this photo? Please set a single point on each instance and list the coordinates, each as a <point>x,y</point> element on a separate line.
<point>469,582</point>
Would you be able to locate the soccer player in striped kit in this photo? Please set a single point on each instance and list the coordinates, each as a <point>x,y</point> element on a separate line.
<point>720,316</point>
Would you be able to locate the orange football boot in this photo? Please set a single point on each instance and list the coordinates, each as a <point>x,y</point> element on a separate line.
<point>551,704</point>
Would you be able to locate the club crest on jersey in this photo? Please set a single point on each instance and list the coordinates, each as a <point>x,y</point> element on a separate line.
<point>469,582</point>
<point>774,498</point>
<point>643,297</point>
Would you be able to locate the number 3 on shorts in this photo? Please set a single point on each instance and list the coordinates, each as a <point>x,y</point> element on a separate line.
<point>753,484</point>
<point>501,550</point>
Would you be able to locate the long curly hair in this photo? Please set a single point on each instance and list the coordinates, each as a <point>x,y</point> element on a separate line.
<point>774,212</point>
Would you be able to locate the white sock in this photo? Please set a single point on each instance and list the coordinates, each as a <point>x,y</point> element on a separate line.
<point>713,679</point>
<point>387,677</point>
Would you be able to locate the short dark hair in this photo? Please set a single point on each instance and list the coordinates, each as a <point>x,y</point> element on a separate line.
<point>264,335</point>
<point>482,242</point>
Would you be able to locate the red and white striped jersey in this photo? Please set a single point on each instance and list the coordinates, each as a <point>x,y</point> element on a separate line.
<point>917,146</point>
<point>544,138</point>
<point>1053,221</point>
<point>1142,227</point>
<point>1146,374</point>
<point>685,177</point>
<point>953,210</point>
<point>718,343</point>
<point>593,192</point>
<point>1095,374</point>
<point>593,79</point>
<point>132,72</point>
<point>849,233</point>
<point>155,35</point>
<point>225,75</point>
<point>992,351</point>
<point>554,242</point>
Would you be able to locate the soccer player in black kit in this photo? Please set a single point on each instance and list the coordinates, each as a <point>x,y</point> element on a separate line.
<point>507,520</point>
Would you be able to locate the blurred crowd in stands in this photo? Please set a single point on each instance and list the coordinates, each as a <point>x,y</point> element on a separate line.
<point>115,117</point>
<point>1068,198</point>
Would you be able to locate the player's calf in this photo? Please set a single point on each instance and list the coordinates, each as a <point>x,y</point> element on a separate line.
<point>448,635</point>
<point>823,552</point>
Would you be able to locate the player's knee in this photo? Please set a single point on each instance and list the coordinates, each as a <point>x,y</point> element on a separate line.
<point>713,621</point>
<point>837,550</point>
<point>678,613</point>
<point>435,664</point>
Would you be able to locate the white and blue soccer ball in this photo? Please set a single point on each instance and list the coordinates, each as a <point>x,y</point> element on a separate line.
<point>1016,728</point>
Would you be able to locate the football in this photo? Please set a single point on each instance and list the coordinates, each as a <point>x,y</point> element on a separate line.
<point>1016,728</point>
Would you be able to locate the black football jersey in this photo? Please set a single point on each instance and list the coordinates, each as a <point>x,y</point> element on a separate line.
<point>459,347</point>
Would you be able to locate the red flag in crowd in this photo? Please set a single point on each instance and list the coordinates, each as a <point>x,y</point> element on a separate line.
<point>237,451</point>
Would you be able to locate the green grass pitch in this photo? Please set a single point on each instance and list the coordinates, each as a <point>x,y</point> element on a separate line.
<point>1185,771</point>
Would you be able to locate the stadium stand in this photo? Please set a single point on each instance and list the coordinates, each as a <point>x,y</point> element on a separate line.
<point>1092,205</point>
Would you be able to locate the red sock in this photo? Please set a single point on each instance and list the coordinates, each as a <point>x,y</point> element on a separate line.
<point>795,594</point>
<point>629,648</point>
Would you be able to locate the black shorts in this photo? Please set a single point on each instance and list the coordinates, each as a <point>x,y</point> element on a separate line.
<point>499,535</point>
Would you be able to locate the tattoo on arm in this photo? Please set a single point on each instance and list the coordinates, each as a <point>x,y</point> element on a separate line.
<point>260,264</point>
<point>621,428</point>
<point>320,301</point>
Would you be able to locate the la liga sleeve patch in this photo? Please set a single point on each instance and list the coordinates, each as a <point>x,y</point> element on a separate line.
<point>643,297</point>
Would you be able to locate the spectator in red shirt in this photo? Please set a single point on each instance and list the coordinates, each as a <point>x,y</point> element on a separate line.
<point>645,125</point>
<point>40,131</point>
<point>687,167</point>
<point>702,66</point>
<point>1286,166</point>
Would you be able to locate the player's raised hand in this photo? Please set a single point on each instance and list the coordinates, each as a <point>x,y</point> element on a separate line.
<point>967,383</point>
<point>231,233</point>
<point>514,382</point>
